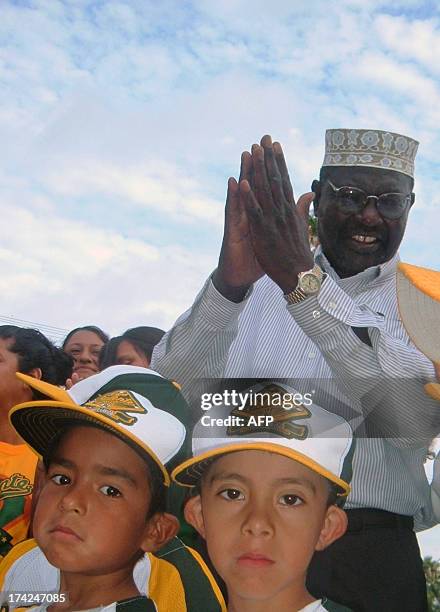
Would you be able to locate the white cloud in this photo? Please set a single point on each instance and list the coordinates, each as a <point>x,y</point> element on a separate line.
<point>70,273</point>
<point>122,121</point>
<point>417,40</point>
<point>154,185</point>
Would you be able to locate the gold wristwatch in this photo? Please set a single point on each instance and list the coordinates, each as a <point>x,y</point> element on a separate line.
<point>309,283</point>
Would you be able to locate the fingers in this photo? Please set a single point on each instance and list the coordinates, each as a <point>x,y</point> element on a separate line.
<point>282,167</point>
<point>232,192</point>
<point>261,185</point>
<point>266,172</point>
<point>235,213</point>
<point>232,207</point>
<point>303,205</point>
<point>273,173</point>
<point>72,381</point>
<point>252,205</point>
<point>246,170</point>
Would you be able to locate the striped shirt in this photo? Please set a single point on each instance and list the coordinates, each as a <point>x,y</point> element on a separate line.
<point>313,342</point>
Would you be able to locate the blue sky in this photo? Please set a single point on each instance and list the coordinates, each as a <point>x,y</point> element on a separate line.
<point>122,120</point>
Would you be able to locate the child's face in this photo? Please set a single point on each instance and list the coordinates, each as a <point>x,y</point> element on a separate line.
<point>91,515</point>
<point>263,516</point>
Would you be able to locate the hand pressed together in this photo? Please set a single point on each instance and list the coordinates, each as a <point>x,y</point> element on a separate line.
<point>265,231</point>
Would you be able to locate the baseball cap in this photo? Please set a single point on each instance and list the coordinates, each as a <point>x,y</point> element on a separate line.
<point>137,405</point>
<point>271,421</point>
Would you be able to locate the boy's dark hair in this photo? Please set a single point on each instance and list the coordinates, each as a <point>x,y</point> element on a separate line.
<point>158,489</point>
<point>334,497</point>
<point>91,328</point>
<point>34,350</point>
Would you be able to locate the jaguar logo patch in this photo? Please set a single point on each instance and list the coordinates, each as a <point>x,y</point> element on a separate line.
<point>116,405</point>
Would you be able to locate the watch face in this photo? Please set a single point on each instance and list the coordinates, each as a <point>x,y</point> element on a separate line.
<point>310,283</point>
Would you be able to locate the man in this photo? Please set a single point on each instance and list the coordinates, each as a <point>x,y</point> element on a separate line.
<point>336,326</point>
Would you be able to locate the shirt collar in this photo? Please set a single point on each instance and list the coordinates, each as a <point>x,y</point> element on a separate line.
<point>376,274</point>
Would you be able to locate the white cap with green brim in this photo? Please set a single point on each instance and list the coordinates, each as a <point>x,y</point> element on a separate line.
<point>137,405</point>
<point>272,421</point>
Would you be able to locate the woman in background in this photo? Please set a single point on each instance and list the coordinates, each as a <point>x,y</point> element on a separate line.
<point>30,352</point>
<point>84,345</point>
<point>134,347</point>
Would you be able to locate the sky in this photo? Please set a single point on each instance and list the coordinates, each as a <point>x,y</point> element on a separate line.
<point>122,120</point>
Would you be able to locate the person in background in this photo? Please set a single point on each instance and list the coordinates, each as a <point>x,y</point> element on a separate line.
<point>134,347</point>
<point>84,345</point>
<point>30,352</point>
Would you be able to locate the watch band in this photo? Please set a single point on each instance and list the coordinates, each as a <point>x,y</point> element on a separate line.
<point>299,295</point>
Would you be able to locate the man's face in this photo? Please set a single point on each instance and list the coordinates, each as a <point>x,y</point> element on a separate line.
<point>342,235</point>
<point>262,516</point>
<point>91,516</point>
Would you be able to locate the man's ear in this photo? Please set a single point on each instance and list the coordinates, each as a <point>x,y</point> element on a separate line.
<point>316,188</point>
<point>335,525</point>
<point>159,530</point>
<point>194,515</point>
<point>413,198</point>
<point>35,373</point>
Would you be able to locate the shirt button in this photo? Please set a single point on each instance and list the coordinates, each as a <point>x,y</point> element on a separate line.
<point>332,305</point>
<point>312,355</point>
<point>316,314</point>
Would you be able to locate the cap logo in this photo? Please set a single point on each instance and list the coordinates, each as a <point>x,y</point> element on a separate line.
<point>265,413</point>
<point>115,405</point>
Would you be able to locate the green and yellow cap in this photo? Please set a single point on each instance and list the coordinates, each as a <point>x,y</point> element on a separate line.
<point>272,421</point>
<point>137,405</point>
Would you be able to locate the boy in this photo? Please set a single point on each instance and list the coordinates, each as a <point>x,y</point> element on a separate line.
<point>106,445</point>
<point>268,479</point>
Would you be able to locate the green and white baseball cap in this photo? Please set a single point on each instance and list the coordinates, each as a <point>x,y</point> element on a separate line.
<point>270,420</point>
<point>137,405</point>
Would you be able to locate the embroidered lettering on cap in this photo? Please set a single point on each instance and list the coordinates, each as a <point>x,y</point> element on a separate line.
<point>115,405</point>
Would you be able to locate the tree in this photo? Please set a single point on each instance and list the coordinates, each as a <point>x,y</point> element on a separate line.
<point>432,573</point>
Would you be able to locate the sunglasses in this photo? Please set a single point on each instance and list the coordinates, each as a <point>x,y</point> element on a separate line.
<point>351,200</point>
